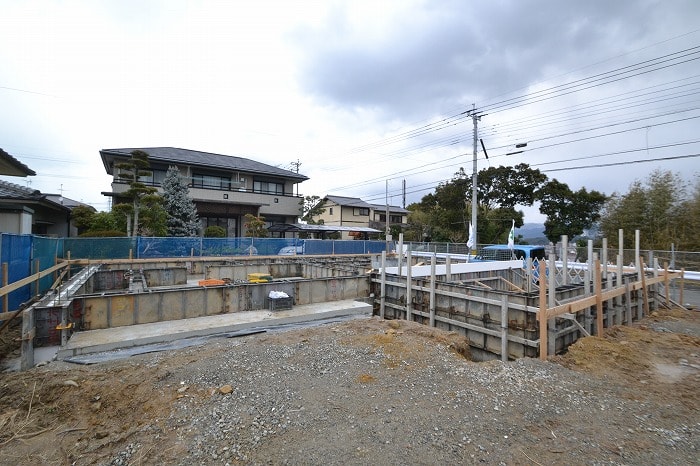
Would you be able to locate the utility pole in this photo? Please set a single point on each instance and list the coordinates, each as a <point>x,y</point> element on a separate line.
<point>404,194</point>
<point>475,119</point>
<point>387,236</point>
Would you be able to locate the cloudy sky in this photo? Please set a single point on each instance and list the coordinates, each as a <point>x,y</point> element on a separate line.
<point>363,94</point>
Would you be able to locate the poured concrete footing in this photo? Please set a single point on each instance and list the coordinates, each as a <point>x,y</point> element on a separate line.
<point>96,341</point>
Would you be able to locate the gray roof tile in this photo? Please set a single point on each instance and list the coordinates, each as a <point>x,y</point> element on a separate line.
<point>205,159</point>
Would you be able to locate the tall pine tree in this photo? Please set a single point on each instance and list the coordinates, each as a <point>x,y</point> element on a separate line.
<point>179,206</point>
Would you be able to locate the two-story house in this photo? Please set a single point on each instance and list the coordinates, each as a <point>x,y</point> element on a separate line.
<point>354,212</point>
<point>224,188</point>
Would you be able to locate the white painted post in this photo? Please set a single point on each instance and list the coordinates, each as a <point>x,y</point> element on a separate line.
<point>504,328</point>
<point>552,302</point>
<point>552,285</point>
<point>399,252</point>
<point>637,259</point>
<point>382,299</point>
<point>564,260</point>
<point>448,269</point>
<point>604,258</point>
<point>655,302</point>
<point>589,275</point>
<point>433,261</point>
<point>409,292</point>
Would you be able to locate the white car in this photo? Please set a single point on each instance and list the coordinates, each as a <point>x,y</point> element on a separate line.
<point>291,251</point>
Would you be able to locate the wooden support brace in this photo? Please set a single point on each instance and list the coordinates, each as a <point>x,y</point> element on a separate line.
<point>572,318</point>
<point>477,282</point>
<point>512,285</point>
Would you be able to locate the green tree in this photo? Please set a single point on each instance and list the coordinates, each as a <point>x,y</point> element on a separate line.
<point>82,217</point>
<point>131,173</point>
<point>312,206</point>
<point>255,226</point>
<point>447,212</point>
<point>154,218</point>
<point>508,187</point>
<point>92,223</point>
<point>180,209</point>
<point>568,213</point>
<point>660,208</point>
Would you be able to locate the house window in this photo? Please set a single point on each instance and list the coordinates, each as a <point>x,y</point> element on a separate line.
<point>228,224</point>
<point>155,179</point>
<point>360,211</point>
<point>395,218</point>
<point>200,180</point>
<point>330,210</point>
<point>268,187</point>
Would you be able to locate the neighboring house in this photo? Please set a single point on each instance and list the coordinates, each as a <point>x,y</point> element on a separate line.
<point>24,210</point>
<point>354,212</point>
<point>224,188</point>
<point>13,167</point>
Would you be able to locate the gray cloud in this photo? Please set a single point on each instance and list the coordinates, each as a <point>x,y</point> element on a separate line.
<point>447,53</point>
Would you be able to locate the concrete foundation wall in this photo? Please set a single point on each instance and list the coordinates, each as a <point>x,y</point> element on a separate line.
<point>116,279</point>
<point>161,305</point>
<point>498,323</point>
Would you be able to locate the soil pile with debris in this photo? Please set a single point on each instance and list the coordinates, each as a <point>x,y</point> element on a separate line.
<point>366,391</point>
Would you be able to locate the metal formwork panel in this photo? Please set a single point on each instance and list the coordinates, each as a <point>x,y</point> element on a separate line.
<point>121,310</point>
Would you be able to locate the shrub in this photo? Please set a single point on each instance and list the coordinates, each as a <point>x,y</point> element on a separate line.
<point>102,234</point>
<point>214,232</point>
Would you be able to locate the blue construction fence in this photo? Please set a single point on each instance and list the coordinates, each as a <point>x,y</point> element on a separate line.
<point>149,247</point>
<point>26,255</point>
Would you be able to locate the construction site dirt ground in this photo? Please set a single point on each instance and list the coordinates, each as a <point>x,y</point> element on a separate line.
<point>365,391</point>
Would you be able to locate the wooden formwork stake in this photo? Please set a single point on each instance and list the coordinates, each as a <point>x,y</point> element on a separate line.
<point>598,300</point>
<point>542,314</point>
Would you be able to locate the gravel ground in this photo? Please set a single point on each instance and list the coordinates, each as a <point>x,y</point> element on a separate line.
<point>364,391</point>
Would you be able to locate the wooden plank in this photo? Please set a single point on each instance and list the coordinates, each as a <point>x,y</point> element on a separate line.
<point>512,285</point>
<point>32,278</point>
<point>483,285</point>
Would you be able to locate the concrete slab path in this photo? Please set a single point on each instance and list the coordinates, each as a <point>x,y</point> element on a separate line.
<point>96,341</point>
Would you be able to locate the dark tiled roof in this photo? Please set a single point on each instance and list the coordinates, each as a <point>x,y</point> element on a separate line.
<point>14,191</point>
<point>202,159</point>
<point>348,201</point>
<point>13,167</point>
<point>392,208</point>
<point>357,202</point>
